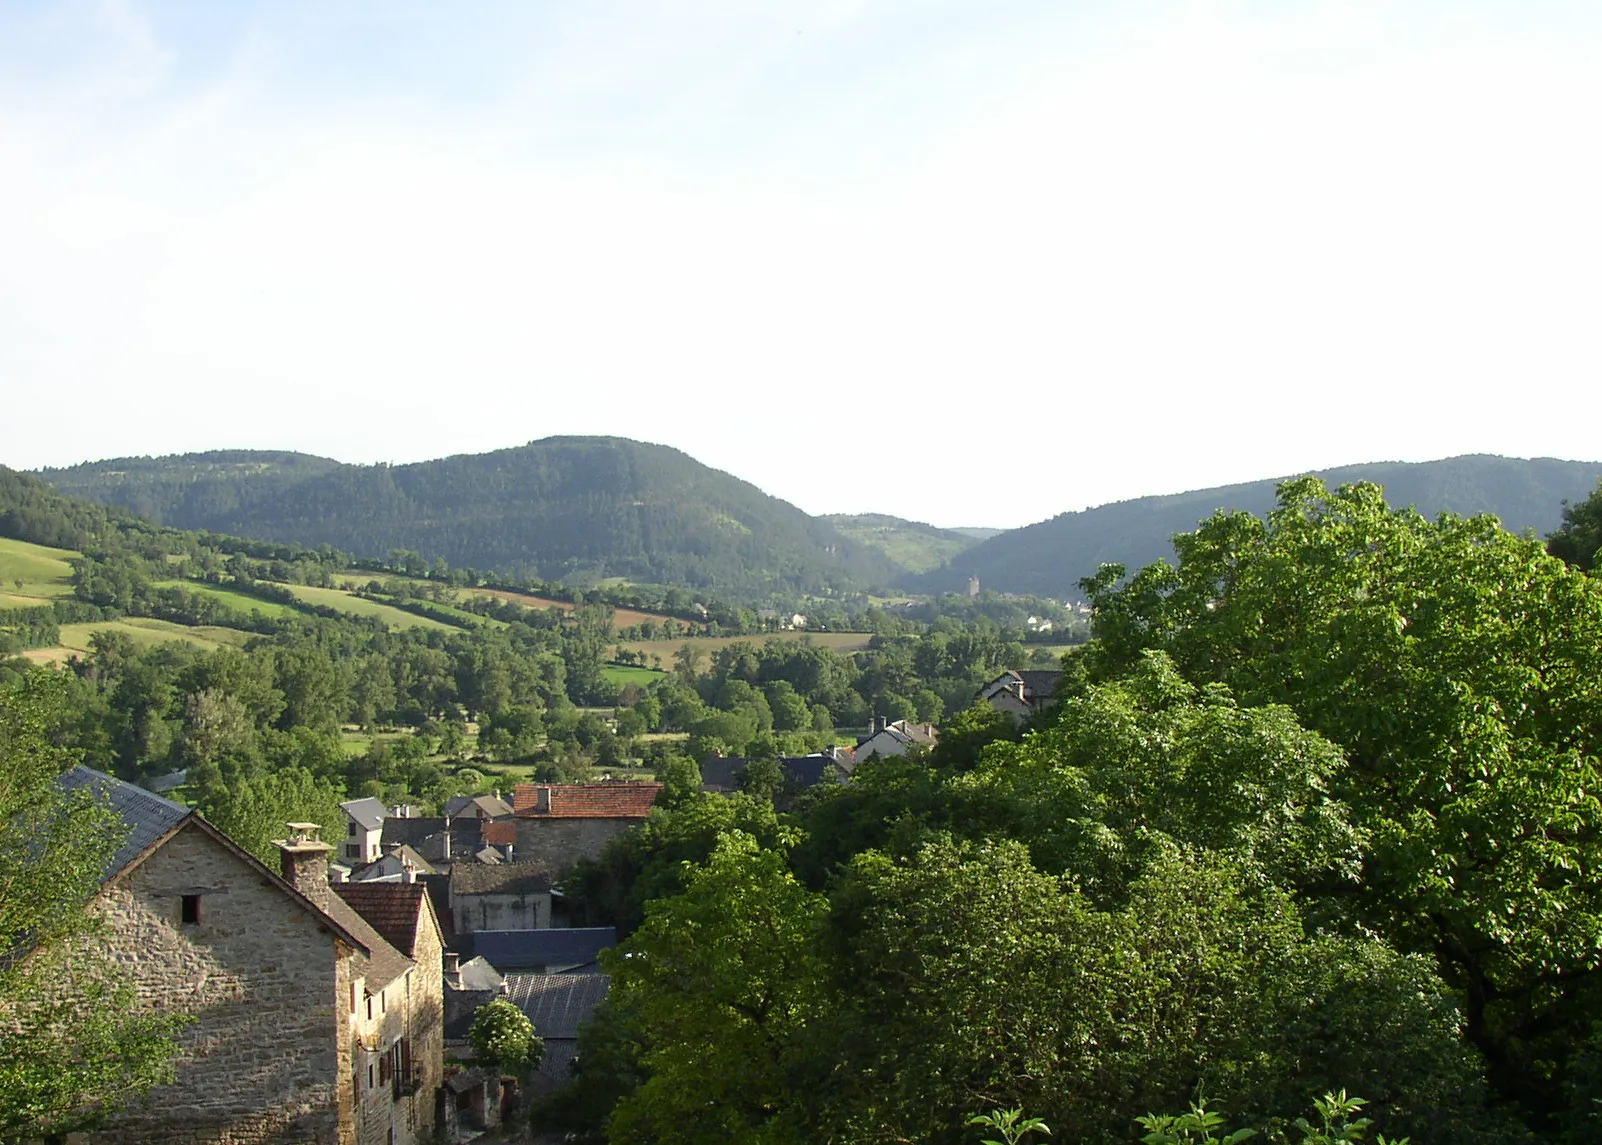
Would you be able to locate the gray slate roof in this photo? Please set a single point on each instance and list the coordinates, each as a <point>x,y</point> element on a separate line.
<point>558,946</point>
<point>148,817</point>
<point>499,879</point>
<point>1039,683</point>
<point>557,1004</point>
<point>369,812</point>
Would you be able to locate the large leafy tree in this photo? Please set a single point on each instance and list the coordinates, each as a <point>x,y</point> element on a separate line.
<point>1579,539</point>
<point>73,1041</point>
<point>1459,668</point>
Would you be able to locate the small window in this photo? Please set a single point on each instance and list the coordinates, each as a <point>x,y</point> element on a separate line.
<point>353,999</point>
<point>190,910</point>
<point>350,828</point>
<point>382,1007</point>
<point>353,850</point>
<point>370,1083</point>
<point>369,1007</point>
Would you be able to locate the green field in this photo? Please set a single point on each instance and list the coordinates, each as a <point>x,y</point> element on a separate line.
<point>145,632</point>
<point>838,641</point>
<point>238,601</point>
<point>621,674</point>
<point>344,602</point>
<point>33,574</point>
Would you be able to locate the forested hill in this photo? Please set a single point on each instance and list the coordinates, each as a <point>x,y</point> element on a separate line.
<point>571,508</point>
<point>1048,558</point>
<point>912,546</point>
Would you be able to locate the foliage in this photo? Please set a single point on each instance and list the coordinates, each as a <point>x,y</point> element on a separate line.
<point>1579,539</point>
<point>1013,1126</point>
<point>503,1036</point>
<point>73,1041</point>
<point>1459,668</point>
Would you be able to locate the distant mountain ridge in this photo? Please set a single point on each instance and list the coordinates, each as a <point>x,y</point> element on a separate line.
<point>912,546</point>
<point>570,508</point>
<point>1048,558</point>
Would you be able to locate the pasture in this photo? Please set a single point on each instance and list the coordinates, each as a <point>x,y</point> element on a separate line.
<point>836,641</point>
<point>623,674</point>
<point>342,601</point>
<point>238,601</point>
<point>146,632</point>
<point>32,574</point>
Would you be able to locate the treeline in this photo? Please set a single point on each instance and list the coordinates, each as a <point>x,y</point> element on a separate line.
<point>1317,811</point>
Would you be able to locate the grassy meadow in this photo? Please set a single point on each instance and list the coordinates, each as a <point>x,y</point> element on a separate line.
<point>31,575</point>
<point>238,601</point>
<point>342,601</point>
<point>837,641</point>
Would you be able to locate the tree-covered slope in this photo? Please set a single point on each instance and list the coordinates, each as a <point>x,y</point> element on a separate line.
<point>1048,558</point>
<point>910,545</point>
<point>574,508</point>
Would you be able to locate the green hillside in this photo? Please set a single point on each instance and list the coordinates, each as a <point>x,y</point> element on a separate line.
<point>910,545</point>
<point>578,509</point>
<point>1048,558</point>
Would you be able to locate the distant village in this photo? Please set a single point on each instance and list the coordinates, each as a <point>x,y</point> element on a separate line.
<point>332,997</point>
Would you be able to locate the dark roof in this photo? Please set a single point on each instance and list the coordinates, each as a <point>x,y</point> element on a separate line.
<point>369,812</point>
<point>723,771</point>
<point>558,946</point>
<point>173,780</point>
<point>425,835</point>
<point>394,909</point>
<point>489,805</point>
<point>557,1004</point>
<point>618,799</point>
<point>478,974</point>
<point>808,770</point>
<point>1039,683</point>
<point>148,817</point>
<point>500,879</point>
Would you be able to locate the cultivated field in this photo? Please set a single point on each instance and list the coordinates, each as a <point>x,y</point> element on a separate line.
<point>145,632</point>
<point>31,575</point>
<point>838,641</point>
<point>344,602</point>
<point>238,601</point>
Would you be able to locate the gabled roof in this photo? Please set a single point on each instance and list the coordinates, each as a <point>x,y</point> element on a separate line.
<point>500,879</point>
<point>393,909</point>
<point>557,1004</point>
<point>427,835</point>
<point>1039,683</point>
<point>558,946</point>
<point>148,817</point>
<point>369,812</point>
<point>619,799</point>
<point>384,962</point>
<point>489,806</point>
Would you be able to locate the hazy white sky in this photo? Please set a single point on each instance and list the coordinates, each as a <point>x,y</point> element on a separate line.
<point>975,263</point>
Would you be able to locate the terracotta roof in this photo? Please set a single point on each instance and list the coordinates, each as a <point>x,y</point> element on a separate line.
<point>502,834</point>
<point>393,909</point>
<point>615,800</point>
<point>385,963</point>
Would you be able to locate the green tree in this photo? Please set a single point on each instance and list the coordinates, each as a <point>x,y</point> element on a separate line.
<point>73,1042</point>
<point>718,982</point>
<point>1579,539</point>
<point>503,1036</point>
<point>1459,669</point>
<point>253,809</point>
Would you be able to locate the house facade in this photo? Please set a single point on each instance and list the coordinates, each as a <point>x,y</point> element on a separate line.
<point>296,998</point>
<point>364,830</point>
<point>1022,694</point>
<point>560,823</point>
<point>895,737</point>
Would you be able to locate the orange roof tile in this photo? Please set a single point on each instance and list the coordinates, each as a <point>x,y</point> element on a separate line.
<point>392,909</point>
<point>502,834</point>
<point>615,800</point>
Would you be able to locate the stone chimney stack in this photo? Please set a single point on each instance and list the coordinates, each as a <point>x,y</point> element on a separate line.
<point>453,970</point>
<point>408,871</point>
<point>304,859</point>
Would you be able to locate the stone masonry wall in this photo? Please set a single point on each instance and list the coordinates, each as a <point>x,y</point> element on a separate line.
<point>558,843</point>
<point>259,1066</point>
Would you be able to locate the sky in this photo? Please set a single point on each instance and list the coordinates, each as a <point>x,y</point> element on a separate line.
<point>968,263</point>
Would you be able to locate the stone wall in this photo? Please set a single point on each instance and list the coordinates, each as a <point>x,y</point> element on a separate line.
<point>497,911</point>
<point>260,1064</point>
<point>557,844</point>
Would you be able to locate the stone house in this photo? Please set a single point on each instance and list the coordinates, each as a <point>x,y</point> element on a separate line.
<point>1022,694</point>
<point>508,896</point>
<point>310,1025</point>
<point>560,823</point>
<point>478,807</point>
<point>895,737</point>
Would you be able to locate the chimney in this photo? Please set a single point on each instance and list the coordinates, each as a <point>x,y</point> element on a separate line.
<point>445,843</point>
<point>542,800</point>
<point>508,850</point>
<point>304,860</point>
<point>453,970</point>
<point>497,793</point>
<point>337,873</point>
<point>408,871</point>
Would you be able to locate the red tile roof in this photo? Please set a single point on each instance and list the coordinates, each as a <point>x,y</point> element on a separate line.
<point>502,834</point>
<point>615,800</point>
<point>392,909</point>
